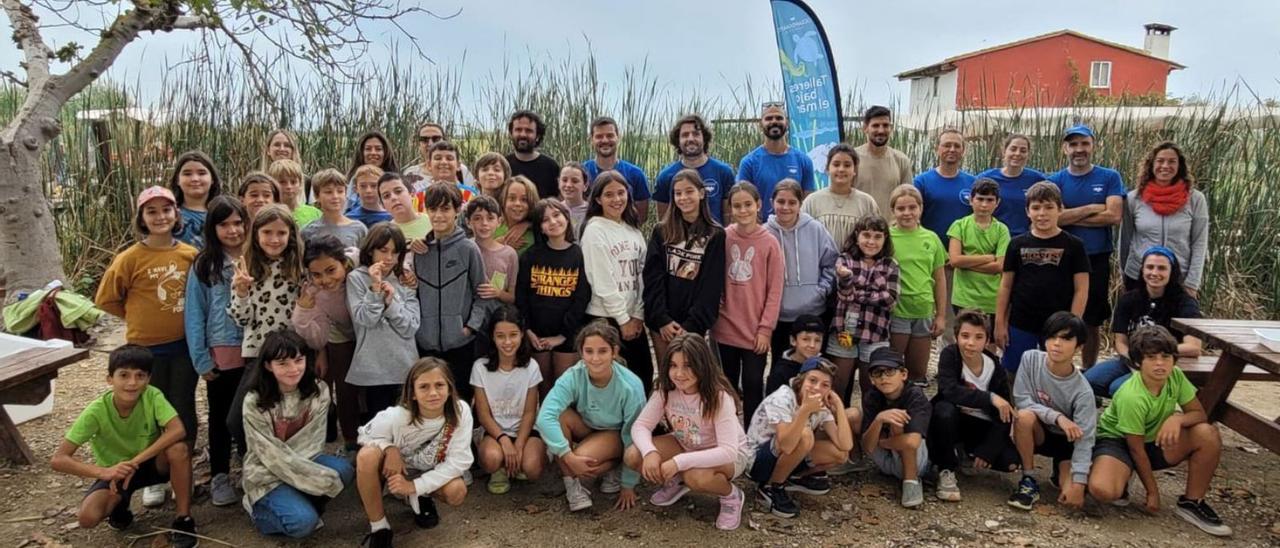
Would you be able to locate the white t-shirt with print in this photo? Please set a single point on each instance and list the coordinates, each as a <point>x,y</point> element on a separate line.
<point>506,391</point>
<point>779,407</point>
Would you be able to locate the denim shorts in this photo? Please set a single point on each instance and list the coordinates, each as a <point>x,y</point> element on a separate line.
<point>763,464</point>
<point>890,462</point>
<point>1119,449</point>
<point>922,327</point>
<point>859,351</point>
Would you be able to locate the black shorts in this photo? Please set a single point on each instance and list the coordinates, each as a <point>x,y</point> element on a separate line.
<point>146,476</point>
<point>1119,449</point>
<point>1056,446</point>
<point>1098,308</point>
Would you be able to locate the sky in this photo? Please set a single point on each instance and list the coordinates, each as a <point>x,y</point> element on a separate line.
<point>712,46</point>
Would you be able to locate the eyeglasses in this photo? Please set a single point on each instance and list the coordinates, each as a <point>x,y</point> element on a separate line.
<point>882,372</point>
<point>773,104</point>
<point>430,138</point>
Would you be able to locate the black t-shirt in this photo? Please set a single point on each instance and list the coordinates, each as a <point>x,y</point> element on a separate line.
<point>1043,282</point>
<point>544,171</point>
<point>912,400</point>
<point>1135,310</point>
<point>552,291</point>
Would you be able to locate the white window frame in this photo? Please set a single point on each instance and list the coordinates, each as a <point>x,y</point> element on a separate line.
<point>1100,74</point>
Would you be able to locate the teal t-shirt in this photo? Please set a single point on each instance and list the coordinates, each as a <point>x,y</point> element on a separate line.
<point>115,439</point>
<point>972,289</point>
<point>919,252</point>
<point>1135,410</point>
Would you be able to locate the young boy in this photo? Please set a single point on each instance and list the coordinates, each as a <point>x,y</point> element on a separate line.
<point>971,412</point>
<point>789,454</point>
<point>398,200</point>
<point>137,440</point>
<point>976,250</point>
<point>369,209</point>
<point>1045,271</point>
<point>501,263</point>
<point>450,274</point>
<point>444,163</point>
<point>895,420</point>
<point>331,194</point>
<point>1056,414</point>
<point>807,333</point>
<point>1143,431</point>
<point>288,174</point>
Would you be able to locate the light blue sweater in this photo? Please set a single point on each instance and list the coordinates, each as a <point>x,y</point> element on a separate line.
<point>614,407</point>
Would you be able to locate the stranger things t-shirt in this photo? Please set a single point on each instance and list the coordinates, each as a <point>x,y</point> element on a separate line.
<point>1043,282</point>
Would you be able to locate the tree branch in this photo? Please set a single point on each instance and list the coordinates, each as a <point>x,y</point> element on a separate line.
<point>14,78</point>
<point>26,33</point>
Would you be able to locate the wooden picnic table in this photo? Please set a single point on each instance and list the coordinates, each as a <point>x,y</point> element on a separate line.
<point>1240,347</point>
<point>26,379</point>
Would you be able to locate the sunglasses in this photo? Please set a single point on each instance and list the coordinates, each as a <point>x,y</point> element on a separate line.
<point>430,138</point>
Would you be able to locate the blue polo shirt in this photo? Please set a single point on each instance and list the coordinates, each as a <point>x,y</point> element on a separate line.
<point>1012,210</point>
<point>1093,187</point>
<point>765,170</point>
<point>717,177</point>
<point>632,173</point>
<point>946,199</point>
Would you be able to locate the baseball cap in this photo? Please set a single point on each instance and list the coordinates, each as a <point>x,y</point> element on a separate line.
<point>154,192</point>
<point>1078,129</point>
<point>807,323</point>
<point>885,357</point>
<point>811,364</point>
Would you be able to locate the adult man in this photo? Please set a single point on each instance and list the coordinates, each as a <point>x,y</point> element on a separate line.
<point>775,160</point>
<point>419,175</point>
<point>691,137</point>
<point>880,166</point>
<point>945,189</point>
<point>1093,198</point>
<point>604,141</point>
<point>527,130</point>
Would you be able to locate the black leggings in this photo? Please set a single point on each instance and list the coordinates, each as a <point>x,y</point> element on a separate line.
<point>378,398</point>
<point>636,353</point>
<point>745,370</point>
<point>988,440</point>
<point>221,392</point>
<point>780,341</point>
<point>460,361</point>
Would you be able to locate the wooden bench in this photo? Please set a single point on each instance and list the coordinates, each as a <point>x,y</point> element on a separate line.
<point>26,379</point>
<point>1199,370</point>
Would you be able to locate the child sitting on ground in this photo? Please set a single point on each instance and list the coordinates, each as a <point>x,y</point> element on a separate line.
<point>895,420</point>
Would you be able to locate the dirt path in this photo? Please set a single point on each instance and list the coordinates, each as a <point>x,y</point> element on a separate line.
<point>37,507</point>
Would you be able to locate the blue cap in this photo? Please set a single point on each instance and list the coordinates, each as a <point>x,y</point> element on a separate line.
<point>811,364</point>
<point>1078,129</point>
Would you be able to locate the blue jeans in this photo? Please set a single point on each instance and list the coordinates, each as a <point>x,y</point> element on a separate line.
<point>1105,377</point>
<point>292,513</point>
<point>1019,342</point>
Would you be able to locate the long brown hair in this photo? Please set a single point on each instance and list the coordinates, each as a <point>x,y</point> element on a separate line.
<point>697,356</point>
<point>266,147</point>
<point>420,368</point>
<point>676,230</point>
<point>290,260</point>
<point>601,328</point>
<point>1146,169</point>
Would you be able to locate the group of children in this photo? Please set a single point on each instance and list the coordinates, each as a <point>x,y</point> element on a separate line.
<point>503,334</point>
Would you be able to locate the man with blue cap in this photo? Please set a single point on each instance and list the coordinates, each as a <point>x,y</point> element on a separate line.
<point>1093,198</point>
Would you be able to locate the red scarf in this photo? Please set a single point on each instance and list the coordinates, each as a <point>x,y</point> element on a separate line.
<point>1166,199</point>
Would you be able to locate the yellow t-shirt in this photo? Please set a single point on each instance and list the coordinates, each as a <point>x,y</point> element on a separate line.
<point>147,288</point>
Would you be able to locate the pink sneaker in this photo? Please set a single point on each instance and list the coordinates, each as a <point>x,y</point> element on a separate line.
<point>669,493</point>
<point>730,511</point>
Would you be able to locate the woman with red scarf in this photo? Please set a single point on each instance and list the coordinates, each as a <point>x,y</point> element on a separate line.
<point>1165,210</point>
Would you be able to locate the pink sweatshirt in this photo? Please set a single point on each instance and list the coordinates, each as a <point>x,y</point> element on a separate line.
<point>329,321</point>
<point>707,443</point>
<point>752,287</point>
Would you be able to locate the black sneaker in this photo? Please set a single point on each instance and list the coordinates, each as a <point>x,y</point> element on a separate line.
<point>179,540</point>
<point>120,517</point>
<point>775,497</point>
<point>812,484</point>
<point>1027,494</point>
<point>427,516</point>
<point>1055,477</point>
<point>1199,514</point>
<point>377,539</point>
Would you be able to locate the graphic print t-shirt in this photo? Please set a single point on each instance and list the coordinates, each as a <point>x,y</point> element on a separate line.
<point>1043,277</point>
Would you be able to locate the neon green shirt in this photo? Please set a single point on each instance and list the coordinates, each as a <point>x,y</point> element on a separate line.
<point>919,253</point>
<point>115,439</point>
<point>416,229</point>
<point>974,289</point>
<point>1134,410</point>
<point>306,214</point>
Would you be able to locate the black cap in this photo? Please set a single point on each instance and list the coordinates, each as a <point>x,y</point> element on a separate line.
<point>886,357</point>
<point>808,323</point>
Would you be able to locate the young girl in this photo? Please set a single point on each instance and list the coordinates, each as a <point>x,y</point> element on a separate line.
<point>552,291</point>
<point>614,251</point>
<point>501,263</point>
<point>145,285</point>
<point>213,338</point>
<point>427,435</point>
<point>383,300</point>
<point>506,396</point>
<point>594,404</point>
<point>839,206</point>
<point>866,291</point>
<point>288,174</point>
<point>683,276</point>
<point>492,171</point>
<point>921,312</point>
<point>518,196</point>
<point>752,296</point>
<point>258,190</point>
<point>573,191</point>
<point>323,319</point>
<point>288,479</point>
<point>372,149</point>
<point>706,447</point>
<point>194,183</point>
<point>809,257</point>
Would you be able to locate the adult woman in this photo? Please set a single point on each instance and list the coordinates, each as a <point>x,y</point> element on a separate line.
<point>1014,178</point>
<point>1165,210</point>
<point>282,144</point>
<point>371,149</point>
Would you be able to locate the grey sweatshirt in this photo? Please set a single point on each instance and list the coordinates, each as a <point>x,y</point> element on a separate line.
<point>810,273</point>
<point>1050,396</point>
<point>385,350</point>
<point>448,275</point>
<point>1186,232</point>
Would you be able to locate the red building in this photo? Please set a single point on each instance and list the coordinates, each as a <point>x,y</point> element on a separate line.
<point>1044,71</point>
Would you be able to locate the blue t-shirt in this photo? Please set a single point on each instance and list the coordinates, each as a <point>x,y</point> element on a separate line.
<point>1012,210</point>
<point>946,199</point>
<point>367,216</point>
<point>717,177</point>
<point>1093,187</point>
<point>631,172</point>
<point>192,232</point>
<point>765,170</point>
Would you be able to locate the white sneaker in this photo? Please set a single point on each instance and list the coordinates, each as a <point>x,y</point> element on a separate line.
<point>579,497</point>
<point>611,483</point>
<point>948,489</point>
<point>154,495</point>
<point>466,477</point>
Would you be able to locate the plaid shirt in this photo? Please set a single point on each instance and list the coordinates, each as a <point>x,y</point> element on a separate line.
<point>867,295</point>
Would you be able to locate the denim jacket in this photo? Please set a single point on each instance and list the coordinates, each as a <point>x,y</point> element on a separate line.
<point>207,322</point>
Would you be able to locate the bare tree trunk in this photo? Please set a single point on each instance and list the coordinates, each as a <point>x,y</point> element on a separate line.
<point>29,253</point>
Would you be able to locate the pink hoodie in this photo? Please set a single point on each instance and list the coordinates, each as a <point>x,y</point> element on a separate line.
<point>752,287</point>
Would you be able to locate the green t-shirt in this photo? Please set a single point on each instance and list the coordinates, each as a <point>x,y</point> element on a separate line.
<point>416,229</point>
<point>526,241</point>
<point>115,439</point>
<point>974,289</point>
<point>306,214</point>
<point>919,252</point>
<point>1134,410</point>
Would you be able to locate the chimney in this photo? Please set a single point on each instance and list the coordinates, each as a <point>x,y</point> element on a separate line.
<point>1157,40</point>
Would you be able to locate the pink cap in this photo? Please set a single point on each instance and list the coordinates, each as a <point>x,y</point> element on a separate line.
<point>154,192</point>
